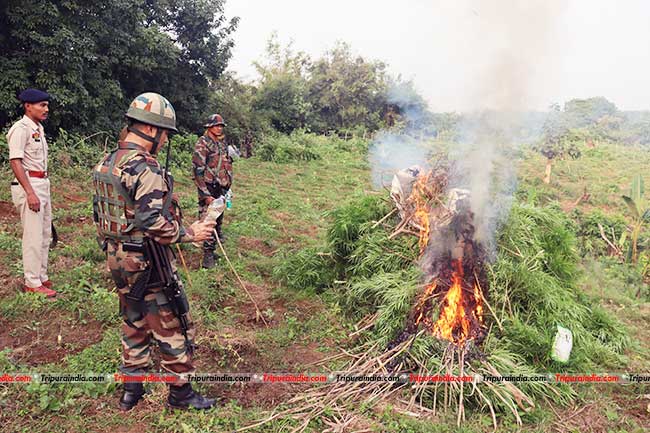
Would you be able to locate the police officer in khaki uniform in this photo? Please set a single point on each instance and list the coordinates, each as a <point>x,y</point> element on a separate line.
<point>30,189</point>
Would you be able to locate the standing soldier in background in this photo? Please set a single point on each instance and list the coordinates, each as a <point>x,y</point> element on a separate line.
<point>212,174</point>
<point>132,207</point>
<point>30,189</point>
<point>247,148</point>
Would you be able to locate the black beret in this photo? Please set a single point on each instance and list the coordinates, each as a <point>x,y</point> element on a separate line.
<point>33,95</point>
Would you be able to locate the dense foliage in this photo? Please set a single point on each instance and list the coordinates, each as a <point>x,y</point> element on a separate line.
<point>339,91</point>
<point>94,57</point>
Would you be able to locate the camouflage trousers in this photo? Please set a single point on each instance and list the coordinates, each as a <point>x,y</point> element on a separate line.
<point>148,321</point>
<point>217,191</point>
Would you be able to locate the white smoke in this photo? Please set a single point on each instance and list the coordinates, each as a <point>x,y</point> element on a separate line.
<point>509,41</point>
<point>391,152</point>
<point>485,164</point>
<point>394,150</point>
<point>520,35</point>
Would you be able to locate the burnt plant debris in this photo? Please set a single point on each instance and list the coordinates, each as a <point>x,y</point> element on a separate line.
<point>381,281</point>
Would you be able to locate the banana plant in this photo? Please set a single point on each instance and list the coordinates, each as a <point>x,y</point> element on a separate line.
<point>640,214</point>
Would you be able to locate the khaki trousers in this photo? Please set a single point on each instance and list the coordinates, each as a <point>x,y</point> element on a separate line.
<point>37,230</point>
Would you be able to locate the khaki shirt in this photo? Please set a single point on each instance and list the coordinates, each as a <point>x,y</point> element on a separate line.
<point>26,141</point>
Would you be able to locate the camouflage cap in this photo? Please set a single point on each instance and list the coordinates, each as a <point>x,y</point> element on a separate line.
<point>215,120</point>
<point>153,109</point>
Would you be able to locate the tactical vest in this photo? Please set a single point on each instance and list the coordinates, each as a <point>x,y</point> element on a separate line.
<point>223,171</point>
<point>113,207</point>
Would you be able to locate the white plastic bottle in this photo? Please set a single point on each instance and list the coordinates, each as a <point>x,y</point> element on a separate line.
<point>215,208</point>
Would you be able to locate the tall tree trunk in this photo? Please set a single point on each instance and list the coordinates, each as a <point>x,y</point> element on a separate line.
<point>547,176</point>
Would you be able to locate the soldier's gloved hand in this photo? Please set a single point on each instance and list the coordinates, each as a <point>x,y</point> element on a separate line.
<point>33,202</point>
<point>203,230</point>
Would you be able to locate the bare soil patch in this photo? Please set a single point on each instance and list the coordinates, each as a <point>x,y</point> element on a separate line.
<point>66,194</point>
<point>35,343</point>
<point>8,211</point>
<point>254,244</point>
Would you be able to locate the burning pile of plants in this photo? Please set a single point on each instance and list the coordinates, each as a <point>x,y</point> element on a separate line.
<point>428,301</point>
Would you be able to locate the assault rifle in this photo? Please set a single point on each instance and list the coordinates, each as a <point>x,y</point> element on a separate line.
<point>162,275</point>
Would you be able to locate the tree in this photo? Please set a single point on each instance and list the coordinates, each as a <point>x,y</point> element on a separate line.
<point>445,125</point>
<point>409,105</point>
<point>581,113</point>
<point>347,91</point>
<point>282,93</point>
<point>283,100</point>
<point>339,92</point>
<point>558,141</point>
<point>234,100</point>
<point>636,127</point>
<point>95,56</point>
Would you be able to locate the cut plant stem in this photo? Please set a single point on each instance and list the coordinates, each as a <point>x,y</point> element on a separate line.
<point>258,313</point>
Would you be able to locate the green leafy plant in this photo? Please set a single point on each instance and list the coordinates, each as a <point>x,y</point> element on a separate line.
<point>282,149</point>
<point>532,288</point>
<point>640,214</point>
<point>308,269</point>
<point>593,227</point>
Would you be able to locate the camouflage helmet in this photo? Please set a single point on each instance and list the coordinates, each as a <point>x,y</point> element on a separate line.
<point>153,109</point>
<point>215,120</point>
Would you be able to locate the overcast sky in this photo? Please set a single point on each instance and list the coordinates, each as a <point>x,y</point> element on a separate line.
<point>470,54</point>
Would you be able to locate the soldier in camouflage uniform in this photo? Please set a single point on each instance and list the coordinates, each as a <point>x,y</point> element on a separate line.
<point>212,174</point>
<point>132,201</point>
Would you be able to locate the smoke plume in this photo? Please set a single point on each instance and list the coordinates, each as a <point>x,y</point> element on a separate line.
<point>520,36</point>
<point>509,41</point>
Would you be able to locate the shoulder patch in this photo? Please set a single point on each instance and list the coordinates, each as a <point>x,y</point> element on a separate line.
<point>151,161</point>
<point>127,157</point>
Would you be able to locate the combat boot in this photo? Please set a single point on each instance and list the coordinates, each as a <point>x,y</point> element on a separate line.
<point>208,260</point>
<point>132,394</point>
<point>184,397</point>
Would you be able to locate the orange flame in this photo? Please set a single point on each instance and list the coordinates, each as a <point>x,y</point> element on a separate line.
<point>452,317</point>
<point>459,316</point>
<point>479,303</point>
<point>419,196</point>
<point>461,312</point>
<point>420,308</point>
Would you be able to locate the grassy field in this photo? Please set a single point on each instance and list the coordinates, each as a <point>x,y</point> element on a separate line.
<point>278,208</point>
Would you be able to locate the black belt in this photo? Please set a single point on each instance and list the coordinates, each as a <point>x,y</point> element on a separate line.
<point>133,247</point>
<point>14,183</point>
<point>136,247</point>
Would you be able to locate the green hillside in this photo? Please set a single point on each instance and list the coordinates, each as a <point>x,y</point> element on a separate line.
<point>281,208</point>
